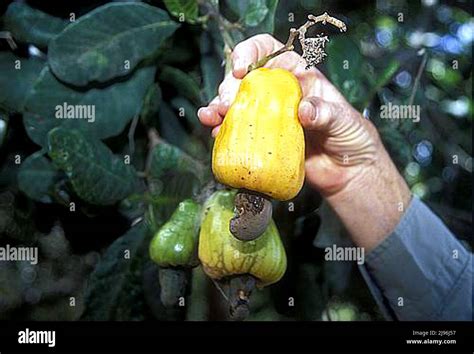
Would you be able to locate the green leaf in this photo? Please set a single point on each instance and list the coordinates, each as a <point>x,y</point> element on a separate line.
<point>166,158</point>
<point>99,45</point>
<point>170,128</point>
<point>212,72</point>
<point>37,176</point>
<point>168,192</point>
<point>211,68</point>
<point>267,25</point>
<point>151,104</point>
<point>187,8</point>
<point>344,62</point>
<point>96,174</point>
<point>32,26</point>
<point>173,176</point>
<point>250,12</point>
<point>18,75</point>
<point>188,110</point>
<point>255,13</point>
<point>113,106</point>
<point>386,75</point>
<point>15,222</point>
<point>182,82</point>
<point>114,290</point>
<point>382,79</point>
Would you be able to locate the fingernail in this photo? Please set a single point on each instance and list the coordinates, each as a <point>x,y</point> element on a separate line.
<point>215,131</point>
<point>239,69</point>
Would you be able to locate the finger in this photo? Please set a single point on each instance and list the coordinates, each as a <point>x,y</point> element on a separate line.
<point>209,115</point>
<point>215,131</point>
<point>227,91</point>
<point>250,51</point>
<point>317,114</point>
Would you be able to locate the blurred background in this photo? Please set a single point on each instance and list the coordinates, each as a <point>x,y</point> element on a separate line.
<point>61,195</point>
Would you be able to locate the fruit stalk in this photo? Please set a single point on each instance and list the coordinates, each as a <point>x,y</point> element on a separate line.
<point>300,33</point>
<point>240,289</point>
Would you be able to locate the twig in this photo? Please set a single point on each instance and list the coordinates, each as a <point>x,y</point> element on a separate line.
<point>131,135</point>
<point>417,79</point>
<point>9,38</point>
<point>300,33</point>
<point>153,140</point>
<point>224,25</point>
<point>221,291</point>
<point>286,48</point>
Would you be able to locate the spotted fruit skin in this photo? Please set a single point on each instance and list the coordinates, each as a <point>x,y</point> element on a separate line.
<point>175,243</point>
<point>260,145</point>
<point>222,255</point>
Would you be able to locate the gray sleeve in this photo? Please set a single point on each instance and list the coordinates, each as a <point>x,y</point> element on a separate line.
<point>421,271</point>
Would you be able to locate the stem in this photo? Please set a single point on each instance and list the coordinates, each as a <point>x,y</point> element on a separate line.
<point>131,135</point>
<point>153,140</point>
<point>417,79</point>
<point>224,25</point>
<point>240,288</point>
<point>9,38</point>
<point>288,47</point>
<point>300,33</point>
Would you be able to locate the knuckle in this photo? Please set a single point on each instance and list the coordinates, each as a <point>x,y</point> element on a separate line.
<point>265,37</point>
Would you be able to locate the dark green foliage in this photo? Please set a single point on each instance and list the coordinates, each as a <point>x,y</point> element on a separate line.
<point>145,68</point>
<point>182,82</point>
<point>97,176</point>
<point>167,158</point>
<point>97,46</point>
<point>112,111</point>
<point>186,10</point>
<point>115,288</point>
<point>37,176</point>
<point>18,76</point>
<point>32,26</point>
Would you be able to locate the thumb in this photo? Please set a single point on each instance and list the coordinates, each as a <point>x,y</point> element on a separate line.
<point>317,114</point>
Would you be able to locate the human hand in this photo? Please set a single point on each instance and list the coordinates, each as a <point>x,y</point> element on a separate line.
<point>345,158</point>
<point>340,143</point>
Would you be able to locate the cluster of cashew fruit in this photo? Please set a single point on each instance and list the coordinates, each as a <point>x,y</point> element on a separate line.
<point>259,152</point>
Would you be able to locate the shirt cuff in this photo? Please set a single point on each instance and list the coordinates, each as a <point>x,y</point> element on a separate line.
<point>420,271</point>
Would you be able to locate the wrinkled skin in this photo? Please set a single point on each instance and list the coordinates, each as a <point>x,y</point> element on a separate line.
<point>253,215</point>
